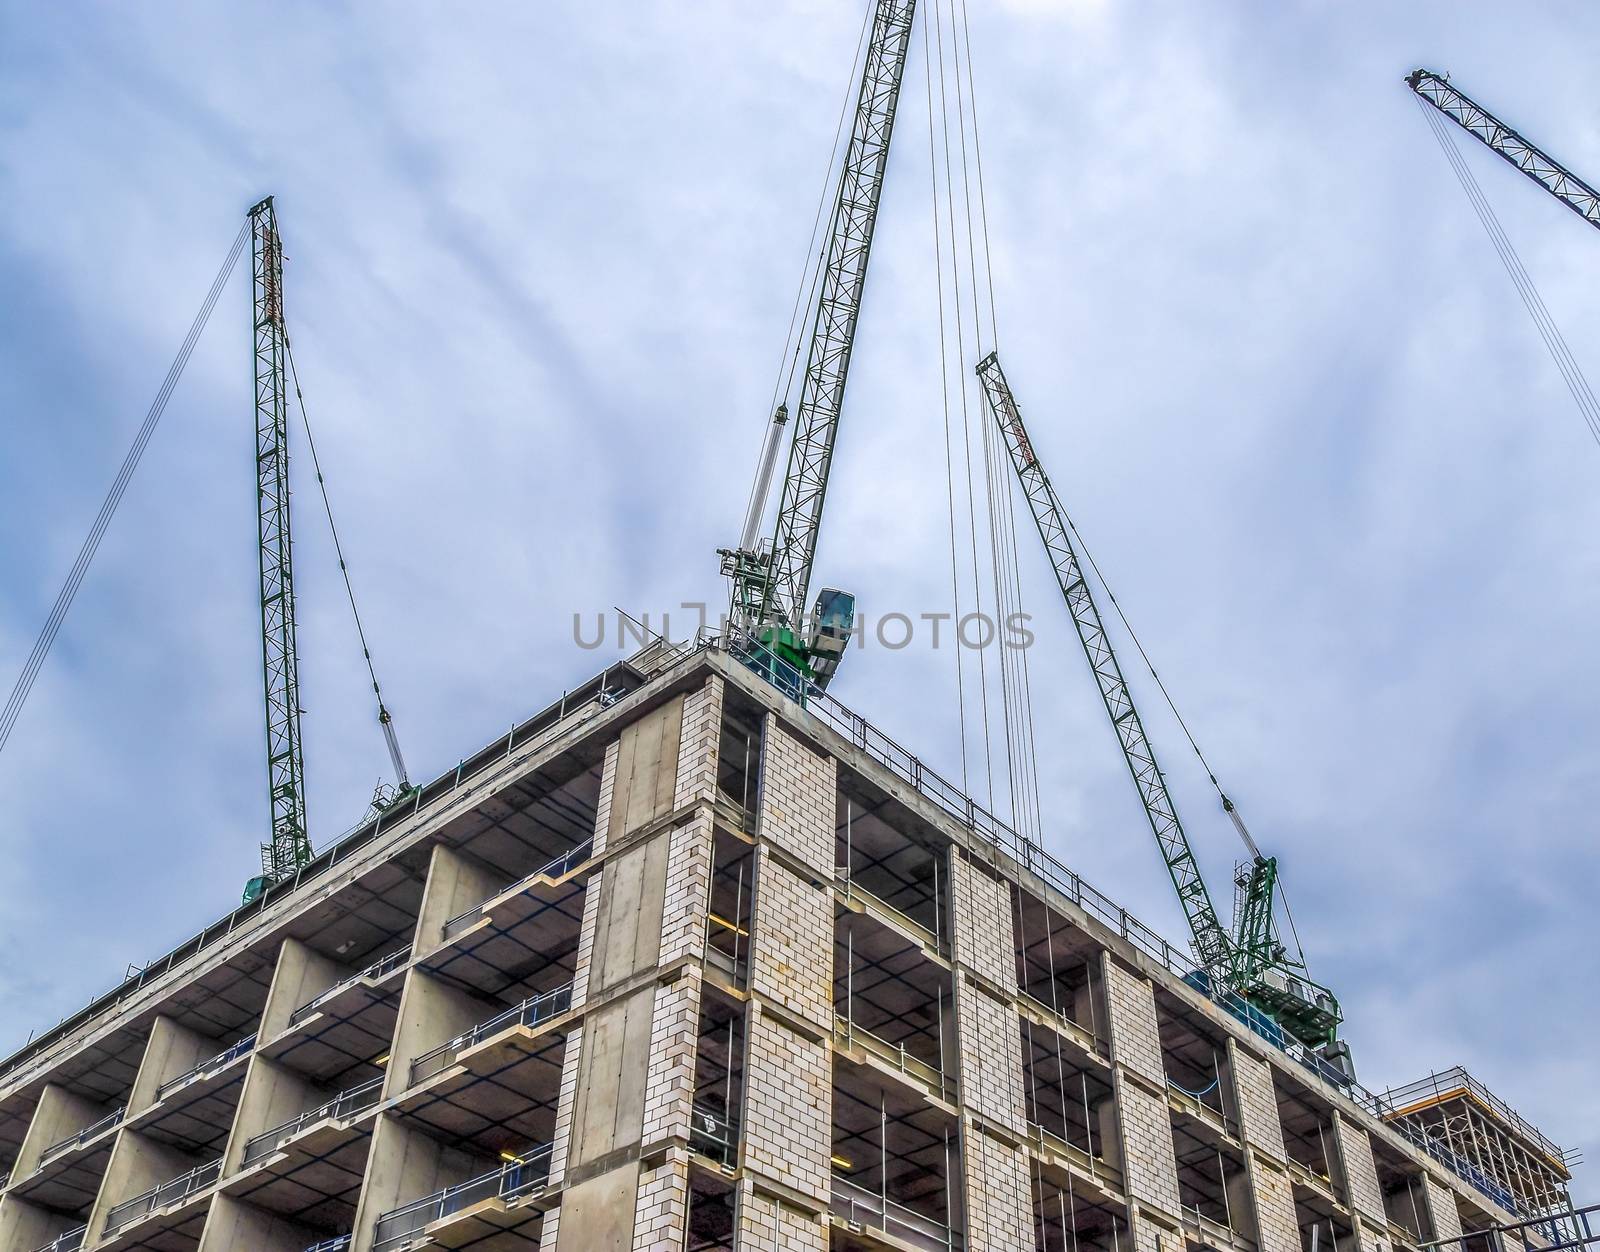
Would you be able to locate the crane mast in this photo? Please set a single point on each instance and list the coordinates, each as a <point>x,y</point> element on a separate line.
<point>290,846</point>
<point>1250,961</point>
<point>770,588</point>
<point>1535,163</point>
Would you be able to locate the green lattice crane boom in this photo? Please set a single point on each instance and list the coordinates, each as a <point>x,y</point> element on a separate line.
<point>1250,960</point>
<point>770,586</point>
<point>1504,142</point>
<point>289,847</point>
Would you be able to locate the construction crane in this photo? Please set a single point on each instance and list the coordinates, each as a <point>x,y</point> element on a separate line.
<point>290,846</point>
<point>770,583</point>
<point>1252,960</point>
<point>1538,165</point>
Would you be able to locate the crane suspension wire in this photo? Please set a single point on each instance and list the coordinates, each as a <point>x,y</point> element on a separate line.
<point>119,486</point>
<point>1571,373</point>
<point>391,738</point>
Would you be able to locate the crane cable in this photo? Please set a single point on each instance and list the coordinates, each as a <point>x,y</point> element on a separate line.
<point>403,782</point>
<point>1571,373</point>
<point>119,486</point>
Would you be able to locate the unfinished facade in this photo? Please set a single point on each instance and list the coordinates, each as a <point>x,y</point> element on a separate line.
<point>682,964</point>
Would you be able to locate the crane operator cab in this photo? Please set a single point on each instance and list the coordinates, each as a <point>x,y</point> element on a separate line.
<point>832,622</point>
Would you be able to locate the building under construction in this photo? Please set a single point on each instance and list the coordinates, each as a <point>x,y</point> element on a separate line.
<point>685,963</point>
<point>698,959</point>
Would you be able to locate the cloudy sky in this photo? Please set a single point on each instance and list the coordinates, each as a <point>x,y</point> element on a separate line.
<point>540,263</point>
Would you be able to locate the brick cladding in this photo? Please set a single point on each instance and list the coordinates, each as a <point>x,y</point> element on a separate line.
<point>798,798</point>
<point>669,1082</point>
<point>608,785</point>
<point>788,1107</point>
<point>697,746</point>
<point>564,1101</point>
<point>985,941</point>
<point>791,950</point>
<point>1257,1102</point>
<point>1360,1171</point>
<point>1442,1208</point>
<point>1135,1037</point>
<point>766,1224</point>
<point>990,1048</point>
<point>586,933</point>
<point>1274,1199</point>
<point>999,1191</point>
<point>683,915</point>
<point>662,1205</point>
<point>1148,1159</point>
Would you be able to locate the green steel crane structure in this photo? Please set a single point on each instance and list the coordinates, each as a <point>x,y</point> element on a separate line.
<point>1484,126</point>
<point>289,847</point>
<point>1250,960</point>
<point>770,584</point>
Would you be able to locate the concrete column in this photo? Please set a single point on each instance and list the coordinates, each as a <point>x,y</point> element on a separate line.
<point>455,883</point>
<point>59,1115</point>
<point>271,1095</point>
<point>764,1222</point>
<point>232,1225</point>
<point>24,1226</point>
<point>302,973</point>
<point>997,1185</point>
<point>405,1165</point>
<point>1138,1079</point>
<point>1440,1203</point>
<point>431,1012</point>
<point>171,1050</point>
<point>645,776</point>
<point>1362,1192</point>
<point>137,1164</point>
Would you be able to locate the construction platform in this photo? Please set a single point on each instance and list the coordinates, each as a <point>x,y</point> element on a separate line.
<point>684,963</point>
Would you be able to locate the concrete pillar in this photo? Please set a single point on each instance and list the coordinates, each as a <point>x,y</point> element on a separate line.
<point>302,974</point>
<point>1440,1203</point>
<point>645,776</point>
<point>432,1011</point>
<point>405,1165</point>
<point>171,1050</point>
<point>764,1222</point>
<point>455,883</point>
<point>59,1115</point>
<point>137,1164</point>
<point>232,1225</point>
<point>1138,1079</point>
<point>1360,1171</point>
<point>24,1226</point>
<point>271,1095</point>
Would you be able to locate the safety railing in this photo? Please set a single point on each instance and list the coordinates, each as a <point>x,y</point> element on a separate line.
<point>1444,1085</point>
<point>338,1244</point>
<point>167,1194</point>
<point>557,868</point>
<point>345,1104</point>
<point>873,1211</point>
<point>530,1012</point>
<point>713,1134</point>
<point>380,967</point>
<point>893,1055</point>
<point>62,1146</point>
<point>526,1173</point>
<point>208,1066</point>
<point>66,1241</point>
